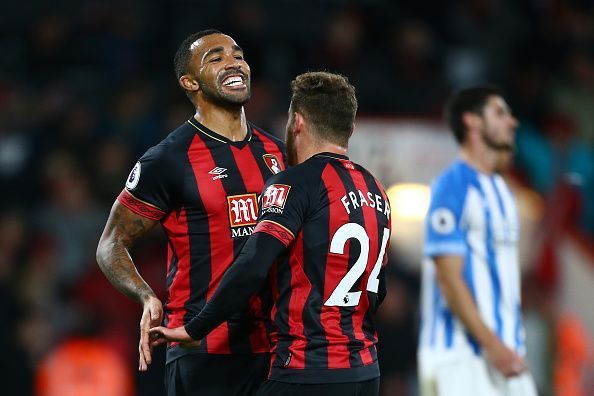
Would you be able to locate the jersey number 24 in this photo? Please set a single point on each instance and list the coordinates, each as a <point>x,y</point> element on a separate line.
<point>341,296</point>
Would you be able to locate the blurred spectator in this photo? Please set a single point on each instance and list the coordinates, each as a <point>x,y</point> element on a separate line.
<point>83,367</point>
<point>15,366</point>
<point>70,218</point>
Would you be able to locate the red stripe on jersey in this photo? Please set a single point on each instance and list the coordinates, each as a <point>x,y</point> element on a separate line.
<point>276,230</point>
<point>369,216</point>
<point>300,288</point>
<point>336,268</point>
<point>253,182</point>
<point>248,167</point>
<point>270,147</point>
<point>139,207</point>
<point>274,330</point>
<point>179,291</point>
<point>212,194</point>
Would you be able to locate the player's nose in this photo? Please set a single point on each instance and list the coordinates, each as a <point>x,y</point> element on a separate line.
<point>513,121</point>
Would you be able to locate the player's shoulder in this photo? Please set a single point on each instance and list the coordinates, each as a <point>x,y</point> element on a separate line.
<point>454,179</point>
<point>261,133</point>
<point>367,173</point>
<point>302,176</point>
<point>170,147</point>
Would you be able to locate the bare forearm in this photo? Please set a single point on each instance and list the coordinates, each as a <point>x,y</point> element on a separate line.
<point>117,265</point>
<point>459,298</point>
<point>122,229</point>
<point>462,305</point>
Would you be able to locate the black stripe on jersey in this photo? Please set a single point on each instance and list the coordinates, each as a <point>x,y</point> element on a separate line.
<point>281,318</point>
<point>198,251</point>
<point>315,269</point>
<point>172,264</point>
<point>258,150</point>
<point>168,281</point>
<point>356,216</point>
<point>368,327</point>
<point>277,142</point>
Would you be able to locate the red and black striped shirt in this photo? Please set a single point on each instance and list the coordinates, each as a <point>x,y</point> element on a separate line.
<point>203,188</point>
<point>330,219</point>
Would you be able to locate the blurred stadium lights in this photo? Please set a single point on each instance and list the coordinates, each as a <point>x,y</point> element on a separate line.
<point>409,202</point>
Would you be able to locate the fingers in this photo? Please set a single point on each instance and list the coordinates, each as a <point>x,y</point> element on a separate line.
<point>145,348</point>
<point>142,365</point>
<point>152,315</point>
<point>514,366</point>
<point>155,342</point>
<point>156,314</point>
<point>159,332</point>
<point>190,344</point>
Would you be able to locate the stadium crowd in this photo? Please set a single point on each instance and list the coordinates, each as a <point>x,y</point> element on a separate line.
<point>87,86</point>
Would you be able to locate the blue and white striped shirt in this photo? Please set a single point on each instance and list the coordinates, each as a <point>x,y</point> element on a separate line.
<point>472,215</point>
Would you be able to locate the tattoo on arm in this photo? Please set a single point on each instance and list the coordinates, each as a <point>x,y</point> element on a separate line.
<point>123,228</point>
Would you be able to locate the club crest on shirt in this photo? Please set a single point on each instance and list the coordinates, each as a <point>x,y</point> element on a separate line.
<point>243,214</point>
<point>443,221</point>
<point>275,197</point>
<point>133,177</point>
<point>272,163</point>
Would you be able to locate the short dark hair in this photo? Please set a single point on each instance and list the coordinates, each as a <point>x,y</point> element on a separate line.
<point>473,100</point>
<point>328,101</point>
<point>181,61</point>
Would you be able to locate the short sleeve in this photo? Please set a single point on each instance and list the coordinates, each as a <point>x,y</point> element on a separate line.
<point>444,232</point>
<point>149,185</point>
<point>284,203</point>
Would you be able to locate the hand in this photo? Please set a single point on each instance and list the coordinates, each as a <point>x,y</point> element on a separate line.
<point>505,360</point>
<point>152,315</point>
<point>160,335</point>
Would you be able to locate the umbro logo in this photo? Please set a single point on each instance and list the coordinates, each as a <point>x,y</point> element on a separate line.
<point>219,173</point>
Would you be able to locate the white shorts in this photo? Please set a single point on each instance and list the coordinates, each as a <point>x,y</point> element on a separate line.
<point>469,376</point>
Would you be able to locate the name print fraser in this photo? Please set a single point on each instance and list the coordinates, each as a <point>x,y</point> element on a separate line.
<point>357,199</point>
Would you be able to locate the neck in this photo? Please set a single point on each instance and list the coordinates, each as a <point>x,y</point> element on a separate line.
<point>481,158</point>
<point>228,122</point>
<point>321,147</point>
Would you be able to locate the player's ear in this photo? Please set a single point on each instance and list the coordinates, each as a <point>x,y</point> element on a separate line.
<point>471,121</point>
<point>189,83</point>
<point>298,122</point>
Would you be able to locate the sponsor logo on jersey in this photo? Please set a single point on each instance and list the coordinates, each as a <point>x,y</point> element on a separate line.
<point>275,197</point>
<point>134,177</point>
<point>243,210</point>
<point>272,163</point>
<point>218,173</point>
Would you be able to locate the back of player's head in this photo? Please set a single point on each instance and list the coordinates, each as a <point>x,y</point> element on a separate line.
<point>328,102</point>
<point>183,55</point>
<point>467,100</point>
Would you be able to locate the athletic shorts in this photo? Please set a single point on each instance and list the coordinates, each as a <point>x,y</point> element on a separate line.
<point>277,388</point>
<point>469,376</point>
<point>202,374</point>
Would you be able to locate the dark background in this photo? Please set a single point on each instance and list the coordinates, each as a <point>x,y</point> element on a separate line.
<point>87,86</point>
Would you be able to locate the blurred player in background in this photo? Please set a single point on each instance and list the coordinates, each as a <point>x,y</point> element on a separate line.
<point>201,183</point>
<point>324,230</point>
<point>472,337</point>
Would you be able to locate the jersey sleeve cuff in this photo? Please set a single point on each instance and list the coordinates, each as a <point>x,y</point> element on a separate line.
<point>272,228</point>
<point>139,207</point>
<point>444,249</point>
